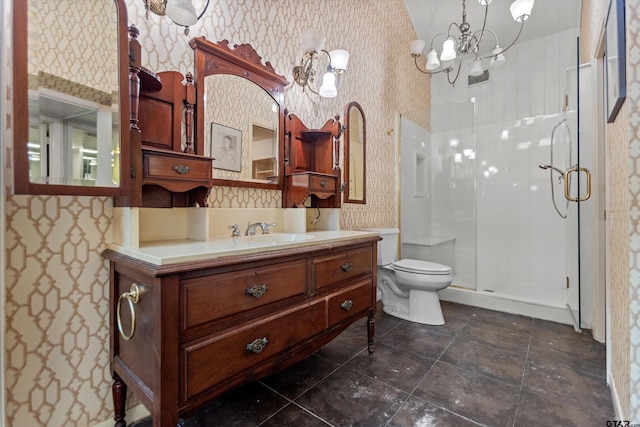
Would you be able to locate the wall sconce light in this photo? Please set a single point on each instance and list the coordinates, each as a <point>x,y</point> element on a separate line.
<point>304,74</point>
<point>181,12</point>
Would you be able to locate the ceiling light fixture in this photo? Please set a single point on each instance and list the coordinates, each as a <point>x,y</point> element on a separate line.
<point>304,74</point>
<point>181,12</point>
<point>468,43</point>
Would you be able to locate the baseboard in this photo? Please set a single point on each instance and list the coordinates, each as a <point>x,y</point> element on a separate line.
<point>134,413</point>
<point>614,396</point>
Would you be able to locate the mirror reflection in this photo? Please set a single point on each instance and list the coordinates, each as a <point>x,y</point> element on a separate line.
<point>73,93</point>
<point>241,129</point>
<point>355,153</point>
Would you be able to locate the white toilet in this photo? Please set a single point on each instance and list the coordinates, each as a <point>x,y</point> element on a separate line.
<point>409,287</point>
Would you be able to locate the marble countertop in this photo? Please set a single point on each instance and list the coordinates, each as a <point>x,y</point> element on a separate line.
<point>177,251</point>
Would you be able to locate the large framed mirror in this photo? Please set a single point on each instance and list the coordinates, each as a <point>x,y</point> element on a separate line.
<point>71,98</point>
<point>239,115</point>
<point>355,154</point>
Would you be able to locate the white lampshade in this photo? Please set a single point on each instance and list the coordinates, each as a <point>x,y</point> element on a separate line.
<point>448,50</point>
<point>312,40</point>
<point>521,9</point>
<point>484,2</point>
<point>339,60</point>
<point>498,57</point>
<point>432,60</point>
<point>476,70</point>
<point>417,46</point>
<point>181,12</point>
<point>328,88</point>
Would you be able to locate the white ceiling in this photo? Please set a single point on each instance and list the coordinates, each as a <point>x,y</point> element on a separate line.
<point>431,17</point>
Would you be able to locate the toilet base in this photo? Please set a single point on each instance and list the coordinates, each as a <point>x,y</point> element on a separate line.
<point>424,307</point>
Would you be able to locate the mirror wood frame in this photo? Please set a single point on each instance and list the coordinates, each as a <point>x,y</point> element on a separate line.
<point>242,61</point>
<point>21,182</point>
<point>347,153</point>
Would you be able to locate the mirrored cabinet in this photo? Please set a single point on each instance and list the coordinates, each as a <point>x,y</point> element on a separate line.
<point>167,169</point>
<point>71,103</point>
<point>239,114</point>
<point>312,164</point>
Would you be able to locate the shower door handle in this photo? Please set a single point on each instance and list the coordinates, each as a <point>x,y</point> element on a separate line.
<point>567,194</point>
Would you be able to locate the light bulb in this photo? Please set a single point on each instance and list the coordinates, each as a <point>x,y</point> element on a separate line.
<point>328,88</point>
<point>448,50</point>
<point>432,60</point>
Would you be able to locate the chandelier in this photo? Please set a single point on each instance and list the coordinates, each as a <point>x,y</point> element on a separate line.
<point>460,41</point>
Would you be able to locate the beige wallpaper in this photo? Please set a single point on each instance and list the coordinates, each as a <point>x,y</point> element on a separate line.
<point>623,217</point>
<point>75,59</point>
<point>56,282</point>
<point>633,160</point>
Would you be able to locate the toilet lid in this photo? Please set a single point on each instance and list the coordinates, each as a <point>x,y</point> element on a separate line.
<point>421,267</point>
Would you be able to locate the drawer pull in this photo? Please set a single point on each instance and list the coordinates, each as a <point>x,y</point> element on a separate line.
<point>346,305</point>
<point>133,296</point>
<point>347,266</point>
<point>257,291</point>
<point>257,345</point>
<point>323,183</point>
<point>181,169</point>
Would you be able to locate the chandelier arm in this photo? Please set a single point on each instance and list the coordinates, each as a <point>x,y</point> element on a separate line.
<point>415,60</point>
<point>449,30</point>
<point>452,83</point>
<point>204,10</point>
<point>434,39</point>
<point>508,47</point>
<point>486,30</point>
<point>484,27</point>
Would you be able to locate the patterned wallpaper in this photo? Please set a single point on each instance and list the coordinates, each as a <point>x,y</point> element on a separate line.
<point>80,59</point>
<point>57,370</point>
<point>633,159</point>
<point>623,216</point>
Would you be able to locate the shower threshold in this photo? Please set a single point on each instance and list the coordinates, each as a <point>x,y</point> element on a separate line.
<point>492,299</point>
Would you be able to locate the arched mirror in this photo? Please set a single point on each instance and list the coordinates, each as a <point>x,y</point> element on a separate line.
<point>239,114</point>
<point>71,97</point>
<point>355,154</point>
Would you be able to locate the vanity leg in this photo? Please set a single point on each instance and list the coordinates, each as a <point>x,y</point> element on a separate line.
<point>371,326</point>
<point>119,393</point>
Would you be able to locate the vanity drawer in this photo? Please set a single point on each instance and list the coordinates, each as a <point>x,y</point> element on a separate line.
<point>158,165</point>
<point>350,301</point>
<point>322,183</point>
<point>209,298</point>
<point>213,360</point>
<point>335,268</point>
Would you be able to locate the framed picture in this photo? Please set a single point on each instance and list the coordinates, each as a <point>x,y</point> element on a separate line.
<point>226,147</point>
<point>614,56</point>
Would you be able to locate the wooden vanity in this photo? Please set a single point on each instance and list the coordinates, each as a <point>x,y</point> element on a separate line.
<point>203,326</point>
<point>191,319</point>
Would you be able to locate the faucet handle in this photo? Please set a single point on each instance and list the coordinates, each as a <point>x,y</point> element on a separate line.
<point>265,227</point>
<point>236,230</point>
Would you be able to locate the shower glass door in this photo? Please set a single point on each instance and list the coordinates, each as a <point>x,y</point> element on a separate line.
<point>579,234</point>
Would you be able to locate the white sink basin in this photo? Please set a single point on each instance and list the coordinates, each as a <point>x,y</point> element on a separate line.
<point>281,237</point>
<point>174,251</point>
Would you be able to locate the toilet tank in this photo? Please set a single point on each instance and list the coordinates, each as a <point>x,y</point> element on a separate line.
<point>388,246</point>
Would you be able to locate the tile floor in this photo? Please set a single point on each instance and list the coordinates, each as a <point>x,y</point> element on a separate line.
<point>482,368</point>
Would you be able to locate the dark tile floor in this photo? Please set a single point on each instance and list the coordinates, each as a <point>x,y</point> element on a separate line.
<point>482,368</point>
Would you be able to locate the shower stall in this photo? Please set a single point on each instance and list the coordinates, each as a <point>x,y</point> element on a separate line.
<point>483,191</point>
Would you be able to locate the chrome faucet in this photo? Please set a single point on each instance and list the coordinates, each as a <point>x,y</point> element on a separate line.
<point>251,228</point>
<point>235,230</point>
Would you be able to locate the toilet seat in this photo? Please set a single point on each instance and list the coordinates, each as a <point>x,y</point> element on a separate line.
<point>421,267</point>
